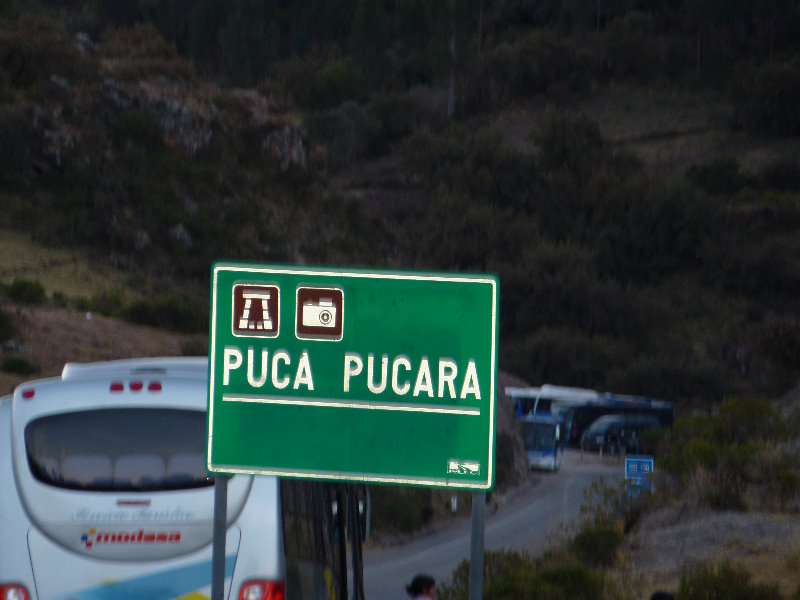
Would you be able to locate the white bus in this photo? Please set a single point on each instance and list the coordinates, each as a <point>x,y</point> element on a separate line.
<point>104,495</point>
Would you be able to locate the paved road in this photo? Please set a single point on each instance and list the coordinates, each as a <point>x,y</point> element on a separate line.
<point>523,522</point>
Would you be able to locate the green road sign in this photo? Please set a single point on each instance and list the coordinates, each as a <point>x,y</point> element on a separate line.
<point>373,376</point>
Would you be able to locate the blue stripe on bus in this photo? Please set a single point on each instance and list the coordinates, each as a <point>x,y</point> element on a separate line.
<point>165,585</point>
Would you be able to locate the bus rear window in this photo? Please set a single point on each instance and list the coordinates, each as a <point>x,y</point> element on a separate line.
<point>120,450</point>
<point>539,436</point>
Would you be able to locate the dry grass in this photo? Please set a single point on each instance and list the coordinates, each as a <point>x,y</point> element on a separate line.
<point>672,538</point>
<point>667,130</point>
<point>54,336</point>
<point>51,336</point>
<point>72,273</point>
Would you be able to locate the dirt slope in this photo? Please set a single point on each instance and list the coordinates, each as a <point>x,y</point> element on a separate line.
<point>49,337</point>
<point>671,538</point>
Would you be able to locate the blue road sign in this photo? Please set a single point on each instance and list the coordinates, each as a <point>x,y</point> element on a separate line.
<point>639,473</point>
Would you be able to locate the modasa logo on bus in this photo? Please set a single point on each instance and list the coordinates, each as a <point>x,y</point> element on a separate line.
<point>94,538</point>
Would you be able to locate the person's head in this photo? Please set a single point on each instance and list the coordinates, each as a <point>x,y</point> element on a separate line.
<point>661,596</point>
<point>422,584</point>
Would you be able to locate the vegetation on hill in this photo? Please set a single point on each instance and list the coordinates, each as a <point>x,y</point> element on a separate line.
<point>164,136</point>
<point>629,169</point>
<point>734,460</point>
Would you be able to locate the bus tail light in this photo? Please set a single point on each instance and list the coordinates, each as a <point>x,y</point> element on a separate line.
<point>13,591</point>
<point>261,589</point>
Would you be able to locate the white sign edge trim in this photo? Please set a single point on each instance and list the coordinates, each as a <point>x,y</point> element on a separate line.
<point>483,484</point>
<point>452,409</point>
<point>404,275</point>
<point>361,275</point>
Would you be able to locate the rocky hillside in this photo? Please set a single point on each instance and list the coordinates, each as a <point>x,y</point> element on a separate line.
<point>642,219</point>
<point>134,155</point>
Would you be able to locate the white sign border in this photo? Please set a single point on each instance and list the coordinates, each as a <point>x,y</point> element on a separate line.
<point>356,274</point>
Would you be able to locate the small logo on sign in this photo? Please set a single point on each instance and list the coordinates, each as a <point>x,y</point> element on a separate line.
<point>256,310</point>
<point>463,467</point>
<point>320,313</point>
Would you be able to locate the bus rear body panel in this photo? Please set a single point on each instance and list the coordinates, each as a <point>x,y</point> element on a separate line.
<point>60,574</point>
<point>105,493</point>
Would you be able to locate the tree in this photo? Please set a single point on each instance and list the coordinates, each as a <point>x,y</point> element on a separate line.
<point>372,36</point>
<point>249,41</point>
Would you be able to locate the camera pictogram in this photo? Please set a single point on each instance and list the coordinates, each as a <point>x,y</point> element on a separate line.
<point>320,313</point>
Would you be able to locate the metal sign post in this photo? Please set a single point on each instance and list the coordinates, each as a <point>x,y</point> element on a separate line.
<point>476,546</point>
<point>218,545</point>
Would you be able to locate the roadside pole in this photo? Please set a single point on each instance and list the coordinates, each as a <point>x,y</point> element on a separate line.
<point>355,543</point>
<point>476,546</point>
<point>220,530</point>
<point>441,342</point>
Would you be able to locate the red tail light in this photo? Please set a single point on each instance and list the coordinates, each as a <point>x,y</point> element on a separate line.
<point>261,589</point>
<point>13,591</point>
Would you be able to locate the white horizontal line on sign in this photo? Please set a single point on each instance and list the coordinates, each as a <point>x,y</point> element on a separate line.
<point>361,404</point>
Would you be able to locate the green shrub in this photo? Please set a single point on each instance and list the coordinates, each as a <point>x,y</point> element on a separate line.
<point>573,580</point>
<point>664,378</point>
<point>7,329</point>
<point>650,229</point>
<point>505,454</point>
<point>296,75</point>
<point>633,49</point>
<point>730,460</point>
<point>196,345</point>
<point>562,354</point>
<point>348,133</point>
<point>19,144</point>
<point>35,48</point>
<point>394,114</point>
<point>142,40</point>
<point>608,512</point>
<point>108,302</point>
<point>175,311</point>
<point>60,299</point>
<point>720,176</point>
<point>781,474</point>
<point>573,145</point>
<point>727,581</point>
<point>509,575</point>
<point>137,127</point>
<point>539,62</point>
<point>476,169</point>
<point>337,81</point>
<point>782,175</point>
<point>741,420</point>
<point>766,97</point>
<point>400,508</point>
<point>597,542</point>
<point>761,266</point>
<point>26,291</point>
<point>778,339</point>
<point>563,289</point>
<point>18,365</point>
<point>140,52</point>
